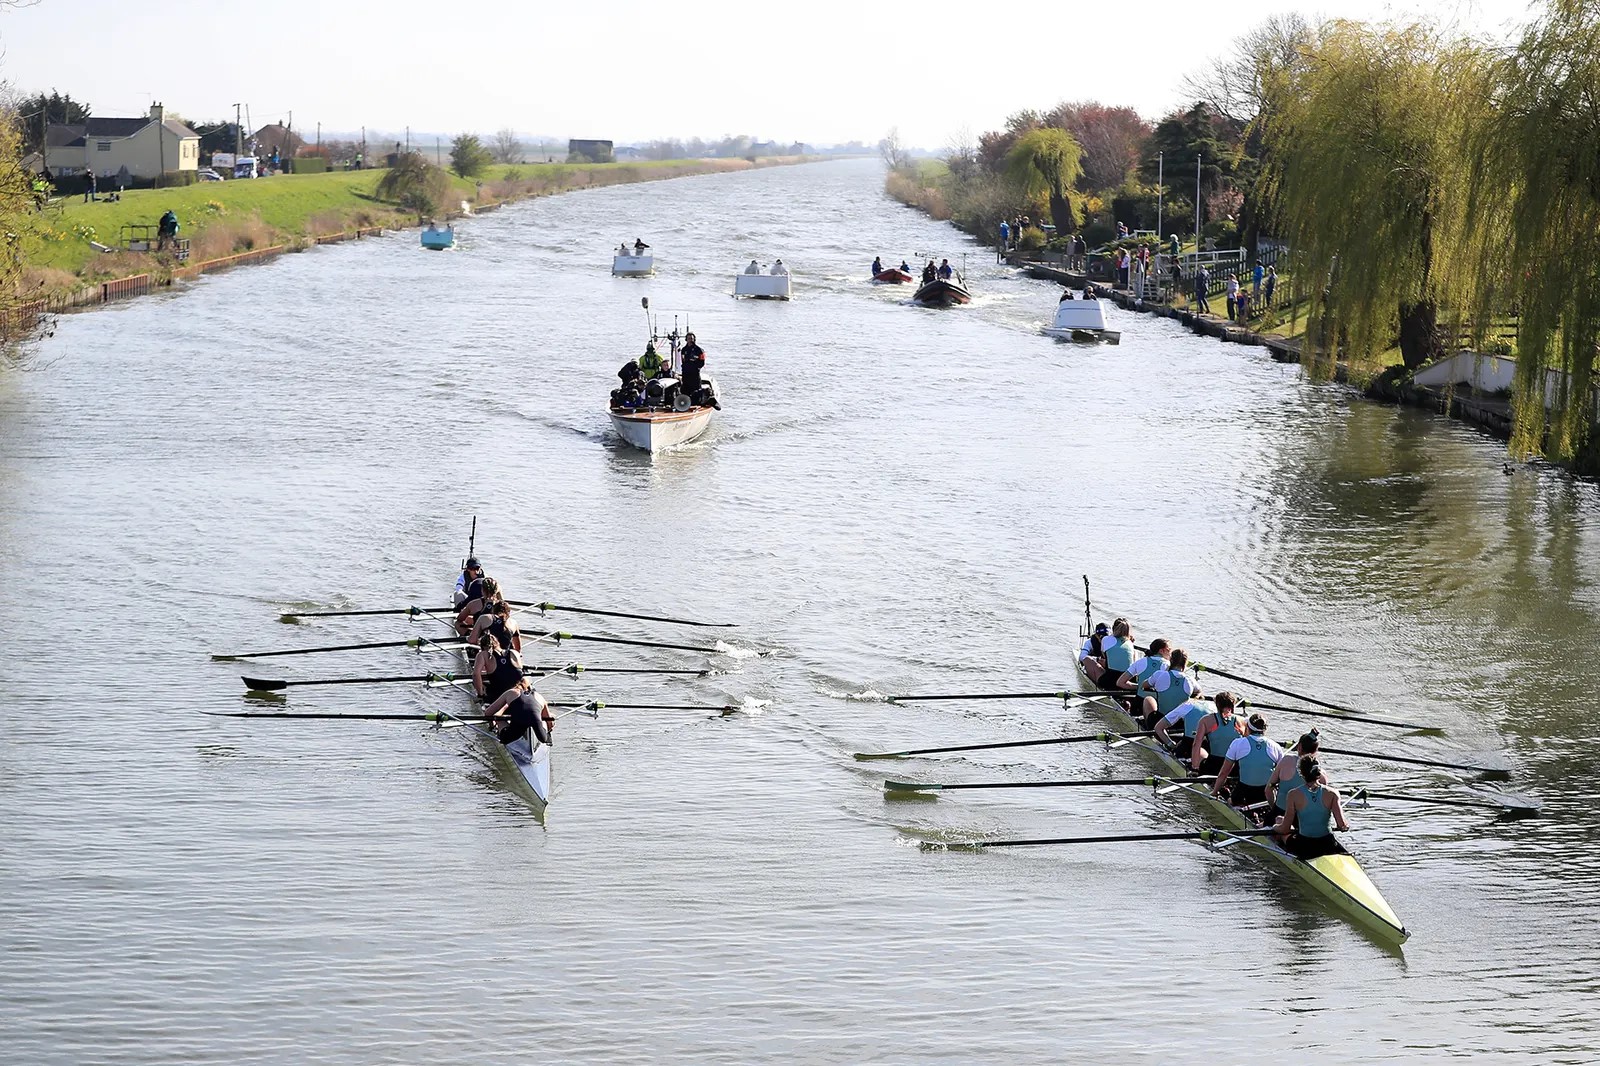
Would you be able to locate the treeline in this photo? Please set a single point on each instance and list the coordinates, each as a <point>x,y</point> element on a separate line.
<point>1428,185</point>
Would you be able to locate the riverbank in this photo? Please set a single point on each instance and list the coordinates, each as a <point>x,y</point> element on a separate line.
<point>231,222</point>
<point>1489,412</point>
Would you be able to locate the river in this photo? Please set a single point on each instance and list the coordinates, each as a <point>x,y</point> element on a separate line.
<point>893,499</point>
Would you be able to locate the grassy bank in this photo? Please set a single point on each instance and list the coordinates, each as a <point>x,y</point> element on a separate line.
<point>224,218</point>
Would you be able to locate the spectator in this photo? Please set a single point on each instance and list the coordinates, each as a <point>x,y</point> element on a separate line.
<point>1202,282</point>
<point>89,185</point>
<point>1272,282</point>
<point>1233,295</point>
<point>1243,301</point>
<point>1256,275</point>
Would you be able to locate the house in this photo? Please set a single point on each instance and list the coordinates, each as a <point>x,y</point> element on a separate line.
<point>589,152</point>
<point>628,154</point>
<point>149,147</point>
<point>277,138</point>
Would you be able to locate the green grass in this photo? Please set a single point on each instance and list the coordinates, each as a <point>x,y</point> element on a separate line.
<point>287,208</point>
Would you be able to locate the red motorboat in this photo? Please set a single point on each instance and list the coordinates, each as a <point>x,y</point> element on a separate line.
<point>892,276</point>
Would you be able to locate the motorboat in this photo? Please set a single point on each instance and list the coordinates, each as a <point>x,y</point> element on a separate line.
<point>892,276</point>
<point>660,413</point>
<point>943,292</point>
<point>773,285</point>
<point>438,239</point>
<point>641,264</point>
<point>1083,321</point>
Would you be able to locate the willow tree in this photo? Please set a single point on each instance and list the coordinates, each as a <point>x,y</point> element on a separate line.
<point>1048,162</point>
<point>1362,159</point>
<point>1532,216</point>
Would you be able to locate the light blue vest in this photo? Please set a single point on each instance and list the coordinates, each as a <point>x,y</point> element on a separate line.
<point>1180,688</point>
<point>1226,732</point>
<point>1256,767</point>
<point>1313,819</point>
<point>1288,785</point>
<point>1119,657</point>
<point>1193,711</point>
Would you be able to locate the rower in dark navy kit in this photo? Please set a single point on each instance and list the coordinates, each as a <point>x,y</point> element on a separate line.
<point>518,711</point>
<point>496,670</point>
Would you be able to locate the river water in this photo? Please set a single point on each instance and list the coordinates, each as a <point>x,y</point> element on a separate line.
<point>894,499</point>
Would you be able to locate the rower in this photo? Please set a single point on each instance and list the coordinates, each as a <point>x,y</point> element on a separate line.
<point>1286,775</point>
<point>1091,654</point>
<point>1153,660</point>
<point>1166,688</point>
<point>496,670</point>
<point>1214,734</point>
<point>1255,757</point>
<point>1189,712</point>
<point>521,710</point>
<point>471,571</point>
<point>1304,829</point>
<point>502,625</point>
<point>1119,655</point>
<point>487,592</point>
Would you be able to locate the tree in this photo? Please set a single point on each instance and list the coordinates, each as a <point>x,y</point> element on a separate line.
<point>414,183</point>
<point>893,152</point>
<point>33,113</point>
<point>1198,135</point>
<point>1531,220</point>
<point>468,156</point>
<point>1363,151</point>
<point>1110,137</point>
<point>506,148</point>
<point>1047,162</point>
<point>1239,85</point>
<point>16,203</point>
<point>995,146</point>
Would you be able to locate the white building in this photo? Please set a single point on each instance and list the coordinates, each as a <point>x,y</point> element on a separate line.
<point>149,147</point>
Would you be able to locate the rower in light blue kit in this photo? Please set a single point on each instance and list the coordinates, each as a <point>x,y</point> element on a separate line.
<point>1313,813</point>
<point>1214,734</point>
<point>1255,757</point>
<point>1166,688</point>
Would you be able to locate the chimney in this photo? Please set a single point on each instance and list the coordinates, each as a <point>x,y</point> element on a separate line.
<point>157,112</point>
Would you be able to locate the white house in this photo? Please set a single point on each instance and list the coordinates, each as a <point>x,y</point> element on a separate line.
<point>148,147</point>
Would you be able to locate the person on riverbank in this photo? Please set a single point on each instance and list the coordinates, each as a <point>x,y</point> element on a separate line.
<point>1202,283</point>
<point>167,229</point>
<point>89,185</point>
<point>1243,300</point>
<point>1247,766</point>
<point>1304,828</point>
<point>1005,236</point>
<point>1257,273</point>
<point>1164,689</point>
<point>1080,251</point>
<point>1233,296</point>
<point>1271,283</point>
<point>1215,733</point>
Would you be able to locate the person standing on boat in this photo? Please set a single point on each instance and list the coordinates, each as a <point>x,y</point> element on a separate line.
<point>905,266</point>
<point>496,670</point>
<point>1215,733</point>
<point>753,268</point>
<point>693,358</point>
<point>778,269</point>
<point>650,362</point>
<point>877,266</point>
<point>639,247</point>
<point>471,572</point>
<point>518,710</point>
<point>946,271</point>
<point>1286,775</point>
<point>1255,757</point>
<point>1305,827</point>
<point>929,272</point>
<point>1165,688</point>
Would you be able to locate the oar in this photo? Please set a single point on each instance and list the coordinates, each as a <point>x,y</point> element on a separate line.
<point>417,642</point>
<point>1500,801</point>
<point>1129,693</point>
<point>1085,739</point>
<point>1207,835</point>
<point>430,716</point>
<point>597,705</point>
<point>272,684</point>
<point>1198,667</point>
<point>1102,782</point>
<point>294,616</point>
<point>1410,760</point>
<point>1342,716</point>
<point>414,642</point>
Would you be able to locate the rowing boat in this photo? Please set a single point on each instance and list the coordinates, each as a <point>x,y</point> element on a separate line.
<point>525,761</point>
<point>1338,877</point>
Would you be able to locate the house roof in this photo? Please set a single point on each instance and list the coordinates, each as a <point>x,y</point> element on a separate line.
<point>113,127</point>
<point>59,135</point>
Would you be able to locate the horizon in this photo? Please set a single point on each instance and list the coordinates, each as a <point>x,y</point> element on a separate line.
<point>797,96</point>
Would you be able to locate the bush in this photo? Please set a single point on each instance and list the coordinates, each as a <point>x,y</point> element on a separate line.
<point>1032,239</point>
<point>1225,231</point>
<point>1098,233</point>
<point>468,156</point>
<point>414,184</point>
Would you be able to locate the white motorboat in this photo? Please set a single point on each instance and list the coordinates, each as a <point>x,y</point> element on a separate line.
<point>663,411</point>
<point>1082,320</point>
<point>769,286</point>
<point>633,266</point>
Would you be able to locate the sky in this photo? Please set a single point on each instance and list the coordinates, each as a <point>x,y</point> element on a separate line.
<point>822,71</point>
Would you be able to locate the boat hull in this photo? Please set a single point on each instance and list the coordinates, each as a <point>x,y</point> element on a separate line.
<point>633,266</point>
<point>525,762</point>
<point>1084,336</point>
<point>941,293</point>
<point>892,276</point>
<point>762,286</point>
<point>438,240</point>
<point>1337,878</point>
<point>655,430</point>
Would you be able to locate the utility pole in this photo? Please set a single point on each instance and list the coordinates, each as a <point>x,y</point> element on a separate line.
<point>438,156</point>
<point>408,140</point>
<point>238,134</point>
<point>319,135</point>
<point>1198,159</point>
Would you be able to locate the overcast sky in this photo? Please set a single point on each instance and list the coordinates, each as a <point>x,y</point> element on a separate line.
<point>820,71</point>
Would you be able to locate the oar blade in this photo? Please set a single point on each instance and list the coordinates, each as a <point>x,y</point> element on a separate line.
<point>910,788</point>
<point>264,684</point>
